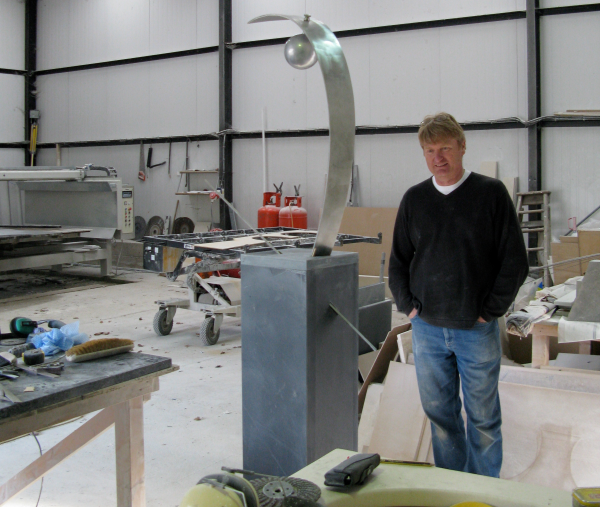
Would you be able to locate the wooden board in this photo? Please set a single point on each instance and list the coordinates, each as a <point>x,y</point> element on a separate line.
<point>489,169</point>
<point>405,345</point>
<point>387,353</point>
<point>369,222</point>
<point>563,251</point>
<point>369,416</point>
<point>589,243</point>
<point>401,422</point>
<point>365,363</point>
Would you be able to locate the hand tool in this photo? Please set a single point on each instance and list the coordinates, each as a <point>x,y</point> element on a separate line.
<point>169,165</point>
<point>149,161</point>
<point>7,395</point>
<point>352,471</point>
<point>19,349</point>
<point>142,164</point>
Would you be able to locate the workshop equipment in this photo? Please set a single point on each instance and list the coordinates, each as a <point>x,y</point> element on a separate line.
<point>293,214</point>
<point>268,214</point>
<point>128,230</point>
<point>156,226</point>
<point>22,326</point>
<point>19,349</point>
<point>183,225</point>
<point>142,164</point>
<point>149,164</point>
<point>140,227</point>
<point>33,357</point>
<point>83,206</point>
<point>95,349</point>
<point>219,252</point>
<point>352,471</point>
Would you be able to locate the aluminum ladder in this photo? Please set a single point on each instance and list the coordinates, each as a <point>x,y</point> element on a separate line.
<point>536,205</point>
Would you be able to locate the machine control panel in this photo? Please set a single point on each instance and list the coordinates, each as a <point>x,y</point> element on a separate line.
<point>128,216</point>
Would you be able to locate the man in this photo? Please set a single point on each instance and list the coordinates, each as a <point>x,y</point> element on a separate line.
<point>458,259</point>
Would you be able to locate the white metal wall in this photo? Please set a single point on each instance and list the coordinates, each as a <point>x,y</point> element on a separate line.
<point>570,66</point>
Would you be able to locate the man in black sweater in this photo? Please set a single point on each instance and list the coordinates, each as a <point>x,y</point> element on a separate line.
<point>457,261</point>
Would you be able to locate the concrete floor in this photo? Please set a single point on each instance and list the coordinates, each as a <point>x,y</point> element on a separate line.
<point>179,448</point>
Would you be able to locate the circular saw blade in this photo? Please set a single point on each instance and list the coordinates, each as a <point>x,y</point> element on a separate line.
<point>156,226</point>
<point>183,225</point>
<point>272,491</point>
<point>140,227</point>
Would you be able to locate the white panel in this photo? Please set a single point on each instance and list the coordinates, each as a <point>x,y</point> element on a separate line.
<point>128,107</point>
<point>53,34</point>
<point>570,63</point>
<point>156,195</point>
<point>173,97</point>
<point>88,105</point>
<point>53,104</point>
<point>570,171</point>
<point>11,108</point>
<point>243,11</point>
<point>8,158</point>
<point>262,77</point>
<point>479,70</point>
<point>344,15</point>
<point>562,3</point>
<point>207,93</point>
<point>387,166</point>
<point>172,25</point>
<point>207,23</point>
<point>405,76</point>
<point>12,34</point>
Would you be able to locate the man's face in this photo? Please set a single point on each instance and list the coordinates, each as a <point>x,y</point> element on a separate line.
<point>444,160</point>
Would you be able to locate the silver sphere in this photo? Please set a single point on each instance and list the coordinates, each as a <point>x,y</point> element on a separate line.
<point>299,52</point>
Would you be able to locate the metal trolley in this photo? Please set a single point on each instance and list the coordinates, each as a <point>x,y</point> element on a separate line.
<point>214,286</point>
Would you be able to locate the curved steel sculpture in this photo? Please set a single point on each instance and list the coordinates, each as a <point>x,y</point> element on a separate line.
<point>340,101</point>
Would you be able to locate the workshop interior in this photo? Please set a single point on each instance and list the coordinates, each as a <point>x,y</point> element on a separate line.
<point>203,205</point>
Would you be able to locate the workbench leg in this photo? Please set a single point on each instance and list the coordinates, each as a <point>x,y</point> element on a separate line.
<point>106,264</point>
<point>129,440</point>
<point>540,350</point>
<point>585,347</point>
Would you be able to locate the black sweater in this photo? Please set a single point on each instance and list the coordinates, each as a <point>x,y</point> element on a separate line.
<point>459,256</point>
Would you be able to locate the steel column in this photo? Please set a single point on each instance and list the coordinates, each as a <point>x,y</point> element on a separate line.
<point>533,96</point>
<point>30,66</point>
<point>225,110</point>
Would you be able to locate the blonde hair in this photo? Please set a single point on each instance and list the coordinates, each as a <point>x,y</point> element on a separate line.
<point>439,127</point>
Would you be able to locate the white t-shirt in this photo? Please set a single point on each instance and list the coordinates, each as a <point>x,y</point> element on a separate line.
<point>450,188</point>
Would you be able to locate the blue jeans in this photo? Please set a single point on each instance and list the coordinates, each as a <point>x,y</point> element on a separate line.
<point>443,359</point>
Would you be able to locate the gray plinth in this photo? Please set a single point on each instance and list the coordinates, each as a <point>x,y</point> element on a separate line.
<point>299,359</point>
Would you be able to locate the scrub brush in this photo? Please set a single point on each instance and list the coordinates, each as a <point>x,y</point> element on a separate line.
<point>98,348</point>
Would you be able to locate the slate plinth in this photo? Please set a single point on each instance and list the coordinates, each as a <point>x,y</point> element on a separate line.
<point>299,359</point>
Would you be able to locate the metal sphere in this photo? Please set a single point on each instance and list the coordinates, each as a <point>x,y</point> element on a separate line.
<point>299,52</point>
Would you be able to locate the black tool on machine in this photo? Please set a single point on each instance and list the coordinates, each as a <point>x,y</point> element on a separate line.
<point>352,471</point>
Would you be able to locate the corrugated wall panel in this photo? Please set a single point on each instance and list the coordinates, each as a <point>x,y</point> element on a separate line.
<point>11,108</point>
<point>570,63</point>
<point>388,166</point>
<point>344,15</point>
<point>475,72</point>
<point>167,97</point>
<point>72,32</point>
<point>12,34</point>
<point>156,195</point>
<point>570,171</point>
<point>8,158</point>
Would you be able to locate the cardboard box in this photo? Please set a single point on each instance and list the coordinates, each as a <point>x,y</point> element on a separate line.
<point>568,248</point>
<point>589,243</point>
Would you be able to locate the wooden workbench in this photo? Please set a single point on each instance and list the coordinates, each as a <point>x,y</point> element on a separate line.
<point>540,342</point>
<point>117,385</point>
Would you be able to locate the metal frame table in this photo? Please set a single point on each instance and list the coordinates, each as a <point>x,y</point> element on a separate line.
<point>117,386</point>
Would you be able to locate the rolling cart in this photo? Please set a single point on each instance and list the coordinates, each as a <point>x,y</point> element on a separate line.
<point>211,262</point>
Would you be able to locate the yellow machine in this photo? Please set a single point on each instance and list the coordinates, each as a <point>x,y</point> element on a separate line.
<point>390,484</point>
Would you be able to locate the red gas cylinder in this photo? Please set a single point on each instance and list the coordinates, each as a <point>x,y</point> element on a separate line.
<point>293,215</point>
<point>268,215</point>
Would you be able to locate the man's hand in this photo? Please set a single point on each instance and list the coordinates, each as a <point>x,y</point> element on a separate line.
<point>413,313</point>
<point>482,320</point>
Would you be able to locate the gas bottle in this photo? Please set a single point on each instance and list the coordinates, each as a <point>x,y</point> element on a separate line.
<point>293,215</point>
<point>268,215</point>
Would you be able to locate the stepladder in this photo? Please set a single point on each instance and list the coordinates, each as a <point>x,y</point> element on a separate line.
<point>536,207</point>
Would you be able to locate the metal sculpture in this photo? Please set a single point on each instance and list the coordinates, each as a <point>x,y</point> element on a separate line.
<point>320,44</point>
